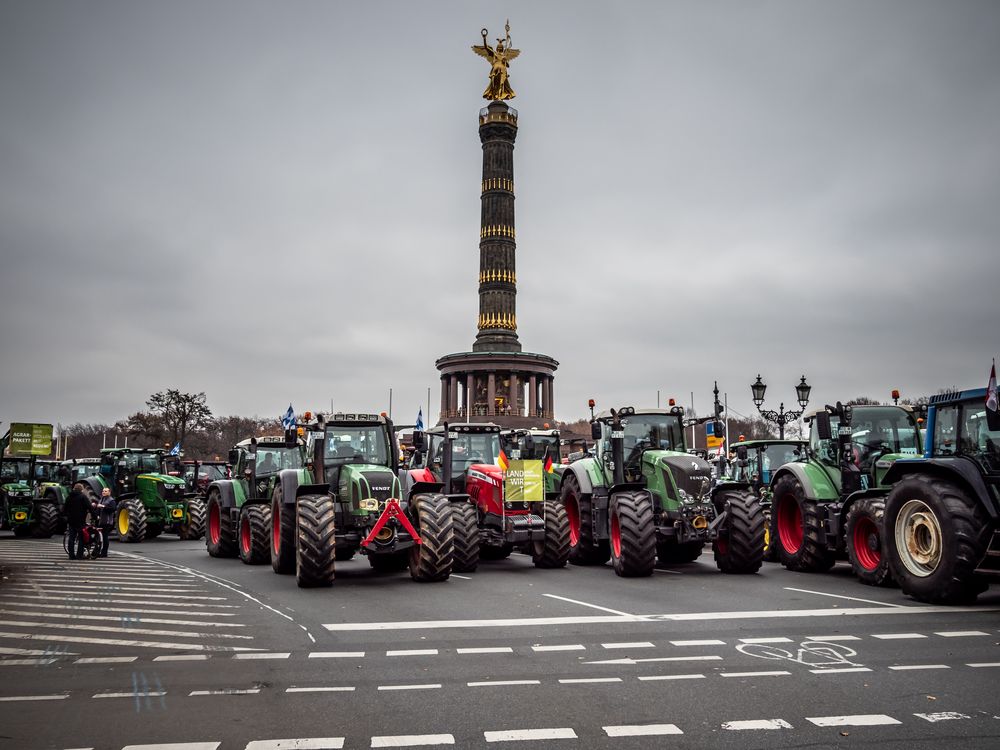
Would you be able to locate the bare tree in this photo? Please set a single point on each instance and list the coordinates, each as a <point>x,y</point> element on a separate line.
<point>180,412</point>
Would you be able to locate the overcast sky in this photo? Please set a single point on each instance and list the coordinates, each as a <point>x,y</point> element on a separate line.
<point>279,201</point>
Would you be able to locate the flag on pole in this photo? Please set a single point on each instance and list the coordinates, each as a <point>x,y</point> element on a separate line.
<point>548,464</point>
<point>288,421</point>
<point>420,419</point>
<point>503,461</point>
<point>176,450</point>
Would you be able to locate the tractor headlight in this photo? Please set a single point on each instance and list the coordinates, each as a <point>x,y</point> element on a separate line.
<point>177,513</point>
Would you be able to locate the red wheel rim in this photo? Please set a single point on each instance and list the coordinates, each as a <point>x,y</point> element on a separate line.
<point>573,516</point>
<point>790,524</point>
<point>214,523</point>
<point>276,529</point>
<point>867,544</point>
<point>616,536</point>
<point>245,534</point>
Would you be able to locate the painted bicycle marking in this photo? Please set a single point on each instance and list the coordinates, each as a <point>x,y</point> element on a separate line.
<point>814,654</point>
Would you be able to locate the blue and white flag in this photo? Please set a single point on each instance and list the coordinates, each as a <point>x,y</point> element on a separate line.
<point>176,450</point>
<point>288,421</point>
<point>420,419</point>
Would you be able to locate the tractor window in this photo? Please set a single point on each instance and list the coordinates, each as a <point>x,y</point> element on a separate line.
<point>13,470</point>
<point>881,430</point>
<point>976,440</point>
<point>474,448</point>
<point>359,445</point>
<point>946,430</point>
<point>272,459</point>
<point>653,432</point>
<point>775,456</point>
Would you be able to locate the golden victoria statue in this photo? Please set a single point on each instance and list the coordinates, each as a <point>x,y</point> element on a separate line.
<point>499,57</point>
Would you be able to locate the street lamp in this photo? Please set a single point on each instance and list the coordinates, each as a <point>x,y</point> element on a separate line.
<point>780,417</point>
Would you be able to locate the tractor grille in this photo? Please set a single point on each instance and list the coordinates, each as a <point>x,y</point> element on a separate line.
<point>692,476</point>
<point>380,484</point>
<point>171,492</point>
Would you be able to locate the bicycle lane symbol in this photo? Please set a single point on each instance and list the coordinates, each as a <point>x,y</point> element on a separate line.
<point>813,654</point>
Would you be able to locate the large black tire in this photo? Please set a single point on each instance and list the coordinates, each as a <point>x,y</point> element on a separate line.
<point>671,553</point>
<point>46,520</point>
<point>315,541</point>
<point>194,528</point>
<point>220,536</point>
<point>255,534</point>
<point>465,520</point>
<point>491,552</point>
<point>342,554</point>
<point>633,534</point>
<point>936,534</point>
<point>553,551</point>
<point>131,520</point>
<point>282,535</point>
<point>393,562</point>
<point>864,534</point>
<point>801,528</point>
<point>582,549</point>
<point>431,560</point>
<point>739,548</point>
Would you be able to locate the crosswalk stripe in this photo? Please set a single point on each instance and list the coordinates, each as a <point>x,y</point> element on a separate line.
<point>412,740</point>
<point>176,746</point>
<point>119,642</point>
<point>116,618</point>
<point>187,613</point>
<point>107,600</point>
<point>119,629</point>
<point>641,730</point>
<point>109,591</point>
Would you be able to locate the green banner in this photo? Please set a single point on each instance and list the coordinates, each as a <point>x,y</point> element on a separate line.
<point>30,439</point>
<point>524,482</point>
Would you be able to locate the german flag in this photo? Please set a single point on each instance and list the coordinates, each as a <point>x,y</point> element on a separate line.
<point>548,464</point>
<point>503,460</point>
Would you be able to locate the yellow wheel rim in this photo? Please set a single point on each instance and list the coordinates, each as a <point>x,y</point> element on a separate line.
<point>123,522</point>
<point>767,538</point>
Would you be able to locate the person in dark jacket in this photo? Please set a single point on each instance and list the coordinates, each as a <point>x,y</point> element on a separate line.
<point>105,512</point>
<point>77,507</point>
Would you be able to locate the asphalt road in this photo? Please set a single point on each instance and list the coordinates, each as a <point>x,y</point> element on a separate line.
<point>161,646</point>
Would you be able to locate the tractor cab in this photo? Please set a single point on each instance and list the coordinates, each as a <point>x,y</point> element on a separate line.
<point>121,467</point>
<point>257,462</point>
<point>961,427</point>
<point>757,460</point>
<point>360,460</point>
<point>73,470</point>
<point>474,455</point>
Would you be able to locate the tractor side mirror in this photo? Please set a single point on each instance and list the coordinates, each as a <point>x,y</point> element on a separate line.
<point>234,456</point>
<point>290,438</point>
<point>595,430</point>
<point>417,459</point>
<point>741,452</point>
<point>419,441</point>
<point>823,426</point>
<point>527,446</point>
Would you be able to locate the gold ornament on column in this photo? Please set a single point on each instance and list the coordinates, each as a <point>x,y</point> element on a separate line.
<point>499,58</point>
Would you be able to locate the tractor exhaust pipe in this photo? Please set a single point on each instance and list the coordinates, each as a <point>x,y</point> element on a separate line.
<point>446,460</point>
<point>617,448</point>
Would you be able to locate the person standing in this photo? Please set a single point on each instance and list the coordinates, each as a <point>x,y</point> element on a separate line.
<point>77,507</point>
<point>106,508</point>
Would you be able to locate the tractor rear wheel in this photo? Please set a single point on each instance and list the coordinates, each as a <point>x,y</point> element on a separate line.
<point>432,559</point>
<point>553,550</point>
<point>392,562</point>
<point>492,552</point>
<point>131,520</point>
<point>255,534</point>
<point>582,549</point>
<point>633,534</point>
<point>935,536</point>
<point>865,537</point>
<point>315,541</point>
<point>799,523</point>
<point>672,553</point>
<point>47,520</point>
<point>220,536</point>
<point>194,528</point>
<point>740,546</point>
<point>282,535</point>
<point>465,520</point>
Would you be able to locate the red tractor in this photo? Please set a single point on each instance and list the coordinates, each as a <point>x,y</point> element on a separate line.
<point>464,460</point>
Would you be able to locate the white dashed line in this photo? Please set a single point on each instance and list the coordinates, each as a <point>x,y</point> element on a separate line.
<point>413,740</point>
<point>757,724</point>
<point>428,686</point>
<point>486,650</point>
<point>565,647</point>
<point>641,730</point>
<point>709,642</point>
<point>910,667</point>
<point>984,664</point>
<point>897,636</point>
<point>133,694</point>
<point>176,746</point>
<point>841,670</point>
<point>586,680</point>
<point>105,660</point>
<point>331,689</point>
<point>312,743</point>
<point>629,660</point>
<point>413,652</point>
<point>523,735</point>
<point>766,640</point>
<point>832,638</point>
<point>272,655</point>
<point>336,654</point>
<point>15,698</point>
<point>659,677</point>
<point>942,716</point>
<point>225,691</point>
<point>503,683</point>
<point>857,720</point>
<point>776,673</point>
<point>182,657</point>
<point>960,633</point>
<point>634,644</point>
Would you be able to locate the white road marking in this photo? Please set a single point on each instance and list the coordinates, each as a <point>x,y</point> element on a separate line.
<point>267,655</point>
<point>103,608</point>
<point>120,642</point>
<point>133,694</point>
<point>960,633</point>
<point>111,586</point>
<point>330,689</point>
<point>109,600</point>
<point>628,660</point>
<point>32,652</point>
<point>176,746</point>
<point>413,652</point>
<point>985,664</point>
<point>311,743</point>
<point>26,662</point>
<point>757,724</point>
<point>113,618</point>
<point>117,629</point>
<point>780,639</point>
<point>641,730</point>
<point>709,642</point>
<point>115,591</point>
<point>587,604</point>
<point>563,647</point>
<point>908,667</point>
<point>503,683</point>
<point>497,623</point>
<point>15,698</point>
<point>857,720</point>
<point>833,638</point>
<point>526,735</point>
<point>486,650</point>
<point>840,670</point>
<point>849,598</point>
<point>942,716</point>
<point>776,673</point>
<point>464,578</point>
<point>661,677</point>
<point>336,654</point>
<point>587,680</point>
<point>426,686</point>
<point>897,636</point>
<point>413,740</point>
<point>668,570</point>
<point>225,691</point>
<point>106,660</point>
<point>181,657</point>
<point>633,644</point>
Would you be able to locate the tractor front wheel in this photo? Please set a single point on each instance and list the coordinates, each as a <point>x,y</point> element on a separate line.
<point>315,541</point>
<point>864,534</point>
<point>255,534</point>
<point>582,548</point>
<point>799,523</point>
<point>633,535</point>
<point>465,519</point>
<point>194,527</point>
<point>47,520</point>
<point>131,520</point>
<point>935,537</point>
<point>553,550</point>
<point>740,546</point>
<point>220,537</point>
<point>282,535</point>
<point>431,560</point>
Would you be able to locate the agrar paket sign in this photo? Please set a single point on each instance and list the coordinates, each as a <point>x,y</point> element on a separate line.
<point>30,439</point>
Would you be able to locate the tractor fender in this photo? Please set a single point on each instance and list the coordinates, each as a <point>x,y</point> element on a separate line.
<point>55,494</point>
<point>93,483</point>
<point>815,483</point>
<point>295,483</point>
<point>855,497</point>
<point>961,471</point>
<point>427,487</point>
<point>227,493</point>
<point>582,477</point>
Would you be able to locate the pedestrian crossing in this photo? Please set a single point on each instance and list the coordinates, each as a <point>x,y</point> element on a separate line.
<point>52,607</point>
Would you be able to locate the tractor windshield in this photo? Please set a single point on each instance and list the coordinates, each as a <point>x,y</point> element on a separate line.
<point>653,432</point>
<point>772,456</point>
<point>361,444</point>
<point>44,471</point>
<point>141,462</point>
<point>962,429</point>
<point>467,448</point>
<point>15,469</point>
<point>875,431</point>
<point>273,458</point>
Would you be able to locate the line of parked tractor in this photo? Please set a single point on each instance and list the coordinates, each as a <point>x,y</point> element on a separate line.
<point>910,497</point>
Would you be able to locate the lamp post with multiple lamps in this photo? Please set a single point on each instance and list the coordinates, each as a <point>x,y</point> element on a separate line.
<point>780,417</point>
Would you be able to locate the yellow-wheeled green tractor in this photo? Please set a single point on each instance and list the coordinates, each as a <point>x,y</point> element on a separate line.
<point>832,503</point>
<point>25,506</point>
<point>150,501</point>
<point>642,496</point>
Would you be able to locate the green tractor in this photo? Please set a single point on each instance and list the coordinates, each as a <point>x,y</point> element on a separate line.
<point>642,496</point>
<point>150,501</point>
<point>832,503</point>
<point>239,508</point>
<point>25,506</point>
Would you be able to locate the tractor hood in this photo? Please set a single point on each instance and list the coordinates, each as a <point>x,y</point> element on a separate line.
<point>489,473</point>
<point>164,478</point>
<point>691,475</point>
<point>359,482</point>
<point>16,488</point>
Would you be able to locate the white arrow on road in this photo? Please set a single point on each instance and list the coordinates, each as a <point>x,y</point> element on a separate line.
<point>661,658</point>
